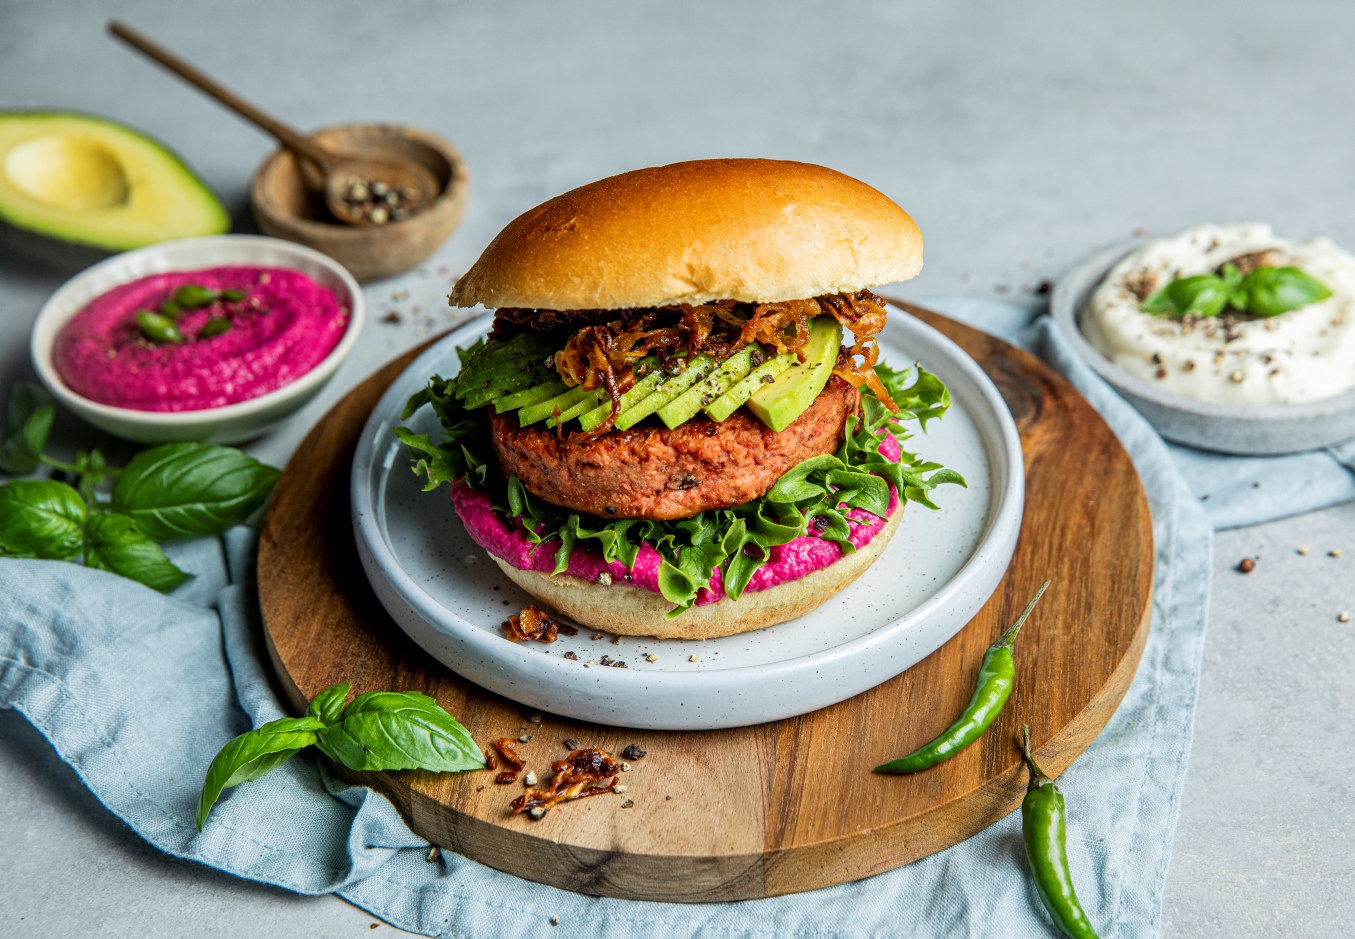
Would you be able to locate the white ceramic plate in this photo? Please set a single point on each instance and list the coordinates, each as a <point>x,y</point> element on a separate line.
<point>1246,429</point>
<point>231,423</point>
<point>940,568</point>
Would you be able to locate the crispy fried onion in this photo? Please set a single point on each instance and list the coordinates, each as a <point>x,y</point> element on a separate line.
<point>508,754</point>
<point>533,623</point>
<point>602,354</point>
<point>575,778</point>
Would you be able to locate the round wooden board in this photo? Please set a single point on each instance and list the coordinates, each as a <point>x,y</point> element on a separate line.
<point>780,807</point>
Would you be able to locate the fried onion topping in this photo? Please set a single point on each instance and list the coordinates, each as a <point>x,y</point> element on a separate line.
<point>576,777</point>
<point>602,354</point>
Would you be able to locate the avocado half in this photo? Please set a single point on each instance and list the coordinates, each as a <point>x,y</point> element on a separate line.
<point>90,181</point>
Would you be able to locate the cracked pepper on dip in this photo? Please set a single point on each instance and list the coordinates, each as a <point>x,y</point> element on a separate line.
<point>192,340</point>
<point>1231,314</point>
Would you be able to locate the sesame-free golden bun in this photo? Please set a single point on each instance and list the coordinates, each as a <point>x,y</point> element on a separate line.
<point>758,231</point>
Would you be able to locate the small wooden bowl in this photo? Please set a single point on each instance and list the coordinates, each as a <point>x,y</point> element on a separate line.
<point>288,200</point>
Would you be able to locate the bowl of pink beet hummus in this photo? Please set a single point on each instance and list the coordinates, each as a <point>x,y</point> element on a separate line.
<point>268,324</point>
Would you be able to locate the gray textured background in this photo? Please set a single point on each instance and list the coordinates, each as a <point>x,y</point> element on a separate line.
<point>1021,137</point>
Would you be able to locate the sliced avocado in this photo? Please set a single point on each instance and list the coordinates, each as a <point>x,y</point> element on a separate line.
<point>544,409</point>
<point>673,386</point>
<point>743,389</point>
<point>584,404</point>
<point>634,395</point>
<point>533,395</point>
<point>90,181</point>
<point>684,407</point>
<point>778,405</point>
<point>505,367</point>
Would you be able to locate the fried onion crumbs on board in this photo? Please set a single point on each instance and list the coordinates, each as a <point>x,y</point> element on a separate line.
<point>533,624</point>
<point>576,777</point>
<point>506,748</point>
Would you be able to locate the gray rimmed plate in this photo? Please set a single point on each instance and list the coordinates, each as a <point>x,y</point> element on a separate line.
<point>938,571</point>
<point>1244,429</point>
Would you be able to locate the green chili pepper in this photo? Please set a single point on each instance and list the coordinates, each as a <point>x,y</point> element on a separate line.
<point>194,295</point>
<point>232,295</point>
<point>991,692</point>
<point>171,309</point>
<point>1042,829</point>
<point>157,328</point>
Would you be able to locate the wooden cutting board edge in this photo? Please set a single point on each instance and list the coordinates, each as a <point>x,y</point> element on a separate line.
<point>774,870</point>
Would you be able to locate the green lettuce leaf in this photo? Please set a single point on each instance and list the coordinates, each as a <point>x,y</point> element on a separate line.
<point>819,491</point>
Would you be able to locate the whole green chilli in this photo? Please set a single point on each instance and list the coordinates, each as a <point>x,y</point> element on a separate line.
<point>991,691</point>
<point>1044,832</point>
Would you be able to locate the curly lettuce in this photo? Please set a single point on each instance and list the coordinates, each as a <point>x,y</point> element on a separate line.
<point>819,492</point>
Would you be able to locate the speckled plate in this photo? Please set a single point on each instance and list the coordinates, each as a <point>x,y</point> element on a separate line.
<point>1246,429</point>
<point>940,568</point>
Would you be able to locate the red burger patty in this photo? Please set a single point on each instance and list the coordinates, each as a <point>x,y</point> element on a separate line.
<point>657,473</point>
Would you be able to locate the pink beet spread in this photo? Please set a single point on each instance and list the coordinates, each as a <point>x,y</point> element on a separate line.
<point>789,561</point>
<point>284,327</point>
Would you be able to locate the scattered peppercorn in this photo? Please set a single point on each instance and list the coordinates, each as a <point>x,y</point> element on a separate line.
<point>571,743</point>
<point>1246,565</point>
<point>633,752</point>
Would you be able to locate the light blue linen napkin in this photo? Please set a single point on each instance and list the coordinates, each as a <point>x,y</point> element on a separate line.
<point>137,692</point>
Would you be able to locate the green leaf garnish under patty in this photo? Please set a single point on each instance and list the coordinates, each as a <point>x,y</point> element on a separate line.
<point>818,492</point>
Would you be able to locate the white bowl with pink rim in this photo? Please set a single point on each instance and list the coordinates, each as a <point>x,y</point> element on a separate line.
<point>230,423</point>
<point>935,575</point>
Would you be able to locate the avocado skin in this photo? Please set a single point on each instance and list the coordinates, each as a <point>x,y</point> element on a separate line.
<point>66,244</point>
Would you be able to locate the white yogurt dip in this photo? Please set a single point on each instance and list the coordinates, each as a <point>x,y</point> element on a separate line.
<point>1306,354</point>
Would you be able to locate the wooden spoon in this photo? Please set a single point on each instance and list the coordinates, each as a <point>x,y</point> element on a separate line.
<point>347,176</point>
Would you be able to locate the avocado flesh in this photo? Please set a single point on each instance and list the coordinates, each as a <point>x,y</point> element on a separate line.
<point>90,181</point>
<point>684,407</point>
<point>743,389</point>
<point>696,368</point>
<point>564,401</point>
<point>586,403</point>
<point>778,405</point>
<point>533,395</point>
<point>637,392</point>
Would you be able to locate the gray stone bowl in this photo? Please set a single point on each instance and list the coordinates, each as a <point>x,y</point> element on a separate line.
<point>1245,429</point>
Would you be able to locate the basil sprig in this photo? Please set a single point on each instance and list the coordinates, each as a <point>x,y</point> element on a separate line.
<point>1263,292</point>
<point>379,730</point>
<point>165,492</point>
<point>818,492</point>
<point>180,489</point>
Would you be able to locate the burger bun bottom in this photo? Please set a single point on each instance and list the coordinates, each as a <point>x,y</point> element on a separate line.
<point>627,610</point>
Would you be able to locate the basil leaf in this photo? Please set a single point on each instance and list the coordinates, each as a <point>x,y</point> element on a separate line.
<point>180,489</point>
<point>41,518</point>
<point>1201,295</point>
<point>328,704</point>
<point>113,543</point>
<point>1271,291</point>
<point>28,422</point>
<point>387,730</point>
<point>253,755</point>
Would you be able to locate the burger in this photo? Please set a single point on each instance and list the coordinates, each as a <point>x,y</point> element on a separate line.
<point>679,424</point>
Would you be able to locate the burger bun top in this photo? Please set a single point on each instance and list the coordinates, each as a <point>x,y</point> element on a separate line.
<point>758,231</point>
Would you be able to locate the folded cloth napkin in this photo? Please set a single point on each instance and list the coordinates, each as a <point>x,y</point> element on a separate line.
<point>137,691</point>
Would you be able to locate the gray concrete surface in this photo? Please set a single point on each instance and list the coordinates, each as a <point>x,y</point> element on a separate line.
<point>1021,137</point>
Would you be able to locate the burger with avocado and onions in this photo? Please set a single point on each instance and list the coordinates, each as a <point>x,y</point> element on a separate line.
<point>679,425</point>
